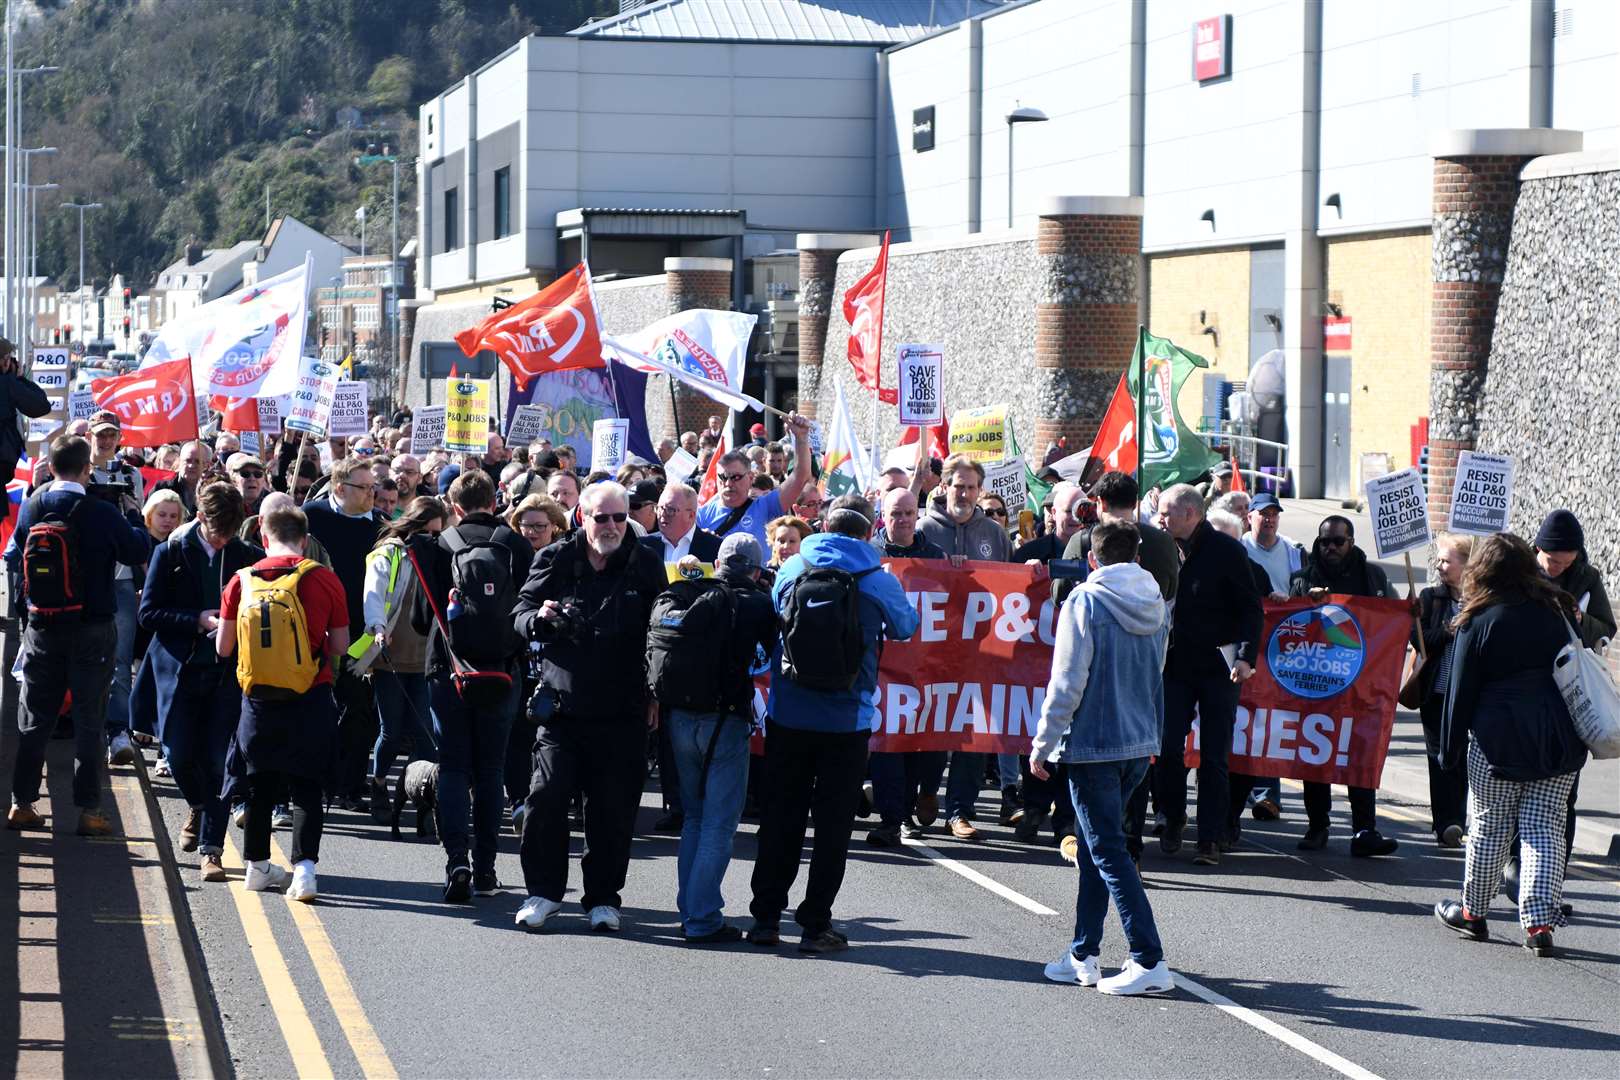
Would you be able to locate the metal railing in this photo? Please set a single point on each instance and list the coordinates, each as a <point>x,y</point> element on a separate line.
<point>1245,449</point>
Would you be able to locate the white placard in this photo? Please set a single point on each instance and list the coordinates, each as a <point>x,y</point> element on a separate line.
<point>44,427</point>
<point>53,357</point>
<point>51,379</point>
<point>81,404</point>
<point>349,415</point>
<point>922,385</point>
<point>527,420</point>
<point>323,453</point>
<point>1483,494</point>
<point>58,404</point>
<point>270,414</point>
<point>680,465</point>
<point>311,406</point>
<point>608,439</point>
<point>249,441</point>
<point>427,428</point>
<point>1399,509</point>
<point>1006,478</point>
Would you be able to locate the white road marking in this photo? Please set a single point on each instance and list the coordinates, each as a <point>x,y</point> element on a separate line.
<point>1296,1041</point>
<point>981,880</point>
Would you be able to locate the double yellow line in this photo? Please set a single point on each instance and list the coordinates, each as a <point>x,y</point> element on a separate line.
<point>303,1043</point>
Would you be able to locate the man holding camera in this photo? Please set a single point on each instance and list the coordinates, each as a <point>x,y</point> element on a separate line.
<point>588,601</point>
<point>17,395</point>
<point>121,484</point>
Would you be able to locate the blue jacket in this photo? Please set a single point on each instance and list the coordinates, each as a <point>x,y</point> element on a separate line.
<point>106,538</point>
<point>1105,701</point>
<point>885,613</point>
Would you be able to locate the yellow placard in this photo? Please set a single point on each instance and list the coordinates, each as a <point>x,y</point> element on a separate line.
<point>980,434</point>
<point>672,571</point>
<point>466,415</point>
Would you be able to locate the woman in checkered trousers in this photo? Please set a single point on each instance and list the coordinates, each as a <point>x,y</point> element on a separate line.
<point>1505,717</point>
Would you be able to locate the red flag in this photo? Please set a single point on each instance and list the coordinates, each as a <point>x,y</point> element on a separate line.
<point>863,310</point>
<point>939,439</point>
<point>155,404</point>
<point>1114,448</point>
<point>1237,473</point>
<point>710,483</point>
<point>553,330</point>
<point>239,414</point>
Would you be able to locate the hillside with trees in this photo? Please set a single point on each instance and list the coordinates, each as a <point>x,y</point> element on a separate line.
<point>178,115</point>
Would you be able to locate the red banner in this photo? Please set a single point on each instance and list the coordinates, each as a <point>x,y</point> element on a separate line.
<point>1321,705</point>
<point>553,330</point>
<point>155,404</point>
<point>237,414</point>
<point>863,310</point>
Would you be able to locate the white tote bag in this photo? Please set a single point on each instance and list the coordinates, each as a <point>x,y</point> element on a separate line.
<point>1589,691</point>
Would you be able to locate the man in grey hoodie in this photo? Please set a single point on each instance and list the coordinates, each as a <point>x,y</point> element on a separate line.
<point>1103,718</point>
<point>963,532</point>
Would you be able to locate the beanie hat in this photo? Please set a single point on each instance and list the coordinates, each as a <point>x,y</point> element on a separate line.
<point>1561,531</point>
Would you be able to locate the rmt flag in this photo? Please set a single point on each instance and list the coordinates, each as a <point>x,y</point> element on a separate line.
<point>155,405</point>
<point>863,310</point>
<point>554,330</point>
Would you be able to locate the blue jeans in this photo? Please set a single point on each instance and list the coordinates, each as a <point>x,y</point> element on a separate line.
<point>712,808</point>
<point>1100,790</point>
<point>1007,765</point>
<point>898,778</point>
<point>196,736</point>
<point>402,709</point>
<point>962,785</point>
<point>472,755</point>
<point>123,656</point>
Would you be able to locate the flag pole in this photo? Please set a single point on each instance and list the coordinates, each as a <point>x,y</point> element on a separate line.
<point>1141,404</point>
<point>883,313</point>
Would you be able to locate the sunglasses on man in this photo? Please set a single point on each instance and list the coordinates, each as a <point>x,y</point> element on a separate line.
<point>603,519</point>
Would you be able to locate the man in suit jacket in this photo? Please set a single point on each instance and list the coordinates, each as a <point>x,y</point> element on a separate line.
<point>198,698</point>
<point>678,533</point>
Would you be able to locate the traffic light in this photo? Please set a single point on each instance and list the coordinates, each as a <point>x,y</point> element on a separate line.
<point>56,337</point>
<point>127,293</point>
<point>67,332</point>
<point>126,326</point>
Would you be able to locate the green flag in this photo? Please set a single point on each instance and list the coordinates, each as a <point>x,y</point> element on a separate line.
<point>1172,453</point>
<point>1036,488</point>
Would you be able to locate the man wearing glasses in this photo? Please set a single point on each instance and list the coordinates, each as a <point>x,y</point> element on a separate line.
<point>407,473</point>
<point>105,431</point>
<point>734,509</point>
<point>247,475</point>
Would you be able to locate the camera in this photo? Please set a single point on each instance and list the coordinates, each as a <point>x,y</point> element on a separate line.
<point>113,491</point>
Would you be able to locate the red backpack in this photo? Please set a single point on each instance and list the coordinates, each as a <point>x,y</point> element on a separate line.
<point>51,579</point>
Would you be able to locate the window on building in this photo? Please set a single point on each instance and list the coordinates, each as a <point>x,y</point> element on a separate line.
<point>503,202</point>
<point>452,219</point>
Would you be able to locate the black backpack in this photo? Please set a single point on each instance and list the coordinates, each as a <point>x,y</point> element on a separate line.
<point>822,646</point>
<point>690,644</point>
<point>482,597</point>
<point>51,577</point>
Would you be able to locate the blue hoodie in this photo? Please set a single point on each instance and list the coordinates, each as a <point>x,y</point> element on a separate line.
<point>885,612</point>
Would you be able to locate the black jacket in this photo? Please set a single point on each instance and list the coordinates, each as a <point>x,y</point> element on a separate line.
<point>1585,584</point>
<point>17,395</point>
<point>921,547</point>
<point>705,546</point>
<point>475,527</point>
<point>754,640</point>
<point>1158,555</point>
<point>600,672</point>
<point>1434,618</point>
<point>1355,576</point>
<point>1045,548</point>
<point>1502,691</point>
<point>106,538</point>
<point>1216,604</point>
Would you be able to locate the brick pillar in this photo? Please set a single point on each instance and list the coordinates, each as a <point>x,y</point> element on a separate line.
<point>1089,249</point>
<point>1476,183</point>
<point>818,268</point>
<point>695,283</point>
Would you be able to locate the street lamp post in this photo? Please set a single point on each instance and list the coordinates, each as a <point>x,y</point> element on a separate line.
<point>13,197</point>
<point>32,265</point>
<point>389,318</point>
<point>1021,114</point>
<point>81,208</point>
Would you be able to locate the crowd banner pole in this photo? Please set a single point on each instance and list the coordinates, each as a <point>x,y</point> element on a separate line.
<point>1411,591</point>
<point>1141,404</point>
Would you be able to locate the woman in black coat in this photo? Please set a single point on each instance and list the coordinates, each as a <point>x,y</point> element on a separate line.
<point>1505,717</point>
<point>1438,606</point>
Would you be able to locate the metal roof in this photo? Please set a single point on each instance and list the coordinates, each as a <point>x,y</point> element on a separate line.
<point>839,22</point>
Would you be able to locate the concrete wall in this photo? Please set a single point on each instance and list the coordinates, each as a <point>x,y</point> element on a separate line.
<point>1586,55</point>
<point>1550,395</point>
<point>1382,284</point>
<point>977,298</point>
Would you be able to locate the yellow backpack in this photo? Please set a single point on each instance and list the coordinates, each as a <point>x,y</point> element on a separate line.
<point>273,658</point>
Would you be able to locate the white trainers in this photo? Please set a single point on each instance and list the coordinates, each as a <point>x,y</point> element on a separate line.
<point>162,767</point>
<point>120,751</point>
<point>1066,969</point>
<point>281,818</point>
<point>1136,979</point>
<point>264,874</point>
<point>303,882</point>
<point>535,911</point>
<point>605,918</point>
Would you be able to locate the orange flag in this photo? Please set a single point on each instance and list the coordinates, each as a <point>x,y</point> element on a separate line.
<point>553,330</point>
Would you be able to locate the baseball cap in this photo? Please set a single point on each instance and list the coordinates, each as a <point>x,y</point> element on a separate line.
<point>740,553</point>
<point>237,460</point>
<point>1223,469</point>
<point>1265,501</point>
<point>757,429</point>
<point>104,418</point>
<point>643,493</point>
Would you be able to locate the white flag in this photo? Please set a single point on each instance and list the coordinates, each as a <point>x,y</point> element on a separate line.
<point>847,469</point>
<point>703,348</point>
<point>245,345</point>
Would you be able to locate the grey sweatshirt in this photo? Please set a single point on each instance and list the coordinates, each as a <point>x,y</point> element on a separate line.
<point>976,538</point>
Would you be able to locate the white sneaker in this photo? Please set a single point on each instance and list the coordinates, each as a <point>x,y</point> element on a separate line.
<point>535,911</point>
<point>162,768</point>
<point>605,918</point>
<point>1066,969</point>
<point>264,874</point>
<point>1136,979</point>
<point>239,815</point>
<point>303,882</point>
<point>281,818</point>
<point>120,751</point>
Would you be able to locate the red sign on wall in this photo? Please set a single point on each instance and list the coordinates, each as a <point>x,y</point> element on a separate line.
<point>1212,48</point>
<point>1336,334</point>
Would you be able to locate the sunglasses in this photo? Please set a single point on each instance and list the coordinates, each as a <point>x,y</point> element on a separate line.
<point>603,519</point>
<point>991,511</point>
<point>250,474</point>
<point>1333,541</point>
<point>732,478</point>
